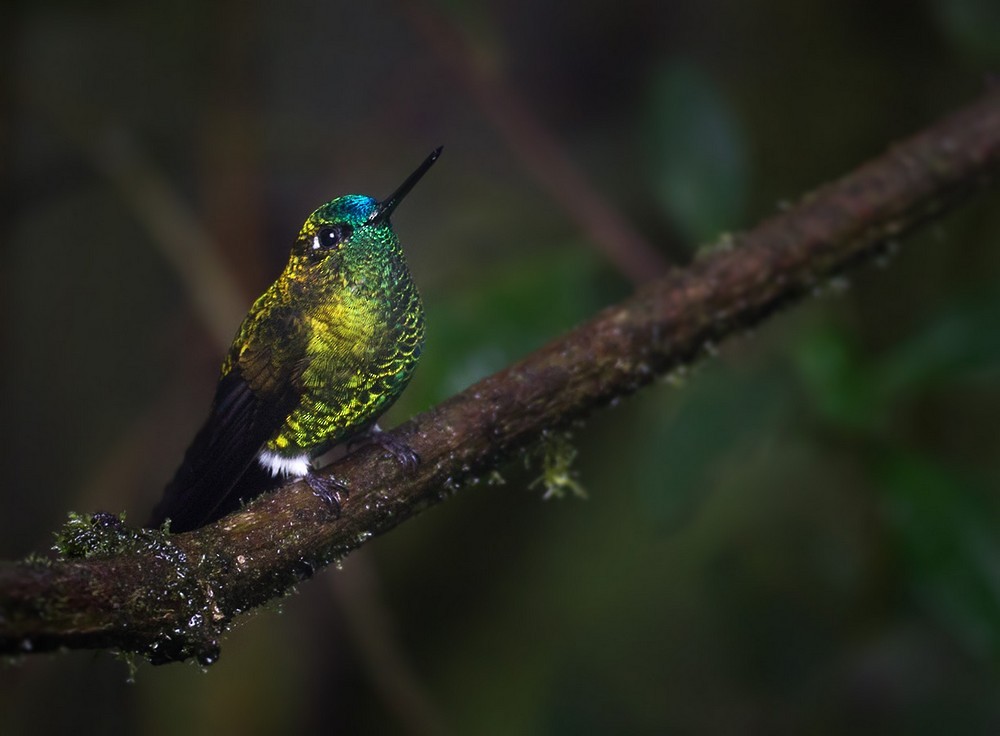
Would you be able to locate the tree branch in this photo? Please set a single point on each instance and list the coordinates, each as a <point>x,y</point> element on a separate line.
<point>171,597</point>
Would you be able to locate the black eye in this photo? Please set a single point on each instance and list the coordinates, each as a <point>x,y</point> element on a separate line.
<point>330,237</point>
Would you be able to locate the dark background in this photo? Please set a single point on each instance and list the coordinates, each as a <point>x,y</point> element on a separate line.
<point>798,536</point>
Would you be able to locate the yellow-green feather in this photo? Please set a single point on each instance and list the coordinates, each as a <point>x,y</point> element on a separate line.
<point>346,339</point>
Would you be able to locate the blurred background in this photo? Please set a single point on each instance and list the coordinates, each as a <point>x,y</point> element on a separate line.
<point>800,535</point>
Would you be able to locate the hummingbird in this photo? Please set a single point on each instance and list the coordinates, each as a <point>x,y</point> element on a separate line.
<point>320,356</point>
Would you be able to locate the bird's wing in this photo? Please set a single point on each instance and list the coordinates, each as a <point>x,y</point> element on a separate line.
<point>237,427</point>
<point>251,402</point>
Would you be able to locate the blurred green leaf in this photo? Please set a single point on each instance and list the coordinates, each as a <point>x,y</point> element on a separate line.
<point>972,25</point>
<point>949,538</point>
<point>481,329</point>
<point>831,368</point>
<point>953,344</point>
<point>856,393</point>
<point>697,158</point>
<point>687,434</point>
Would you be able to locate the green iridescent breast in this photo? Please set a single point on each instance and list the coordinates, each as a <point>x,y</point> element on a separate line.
<point>365,331</point>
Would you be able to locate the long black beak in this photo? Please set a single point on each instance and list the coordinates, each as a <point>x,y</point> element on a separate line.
<point>387,205</point>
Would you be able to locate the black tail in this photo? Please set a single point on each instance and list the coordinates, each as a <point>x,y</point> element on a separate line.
<point>220,468</point>
<point>189,508</point>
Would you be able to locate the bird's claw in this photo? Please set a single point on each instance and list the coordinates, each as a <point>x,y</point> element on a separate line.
<point>402,452</point>
<point>328,488</point>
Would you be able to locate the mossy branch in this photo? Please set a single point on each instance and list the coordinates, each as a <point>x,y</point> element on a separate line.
<point>170,597</point>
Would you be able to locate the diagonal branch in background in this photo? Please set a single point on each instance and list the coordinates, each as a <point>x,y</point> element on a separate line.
<point>171,597</point>
<point>540,152</point>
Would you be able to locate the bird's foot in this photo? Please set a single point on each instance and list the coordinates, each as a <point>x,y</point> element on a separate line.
<point>331,490</point>
<point>404,454</point>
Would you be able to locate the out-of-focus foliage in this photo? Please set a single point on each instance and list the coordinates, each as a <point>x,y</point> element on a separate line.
<point>973,25</point>
<point>522,311</point>
<point>697,163</point>
<point>799,535</point>
<point>944,522</point>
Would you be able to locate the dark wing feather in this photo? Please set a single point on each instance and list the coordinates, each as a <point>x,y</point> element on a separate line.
<point>237,427</point>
